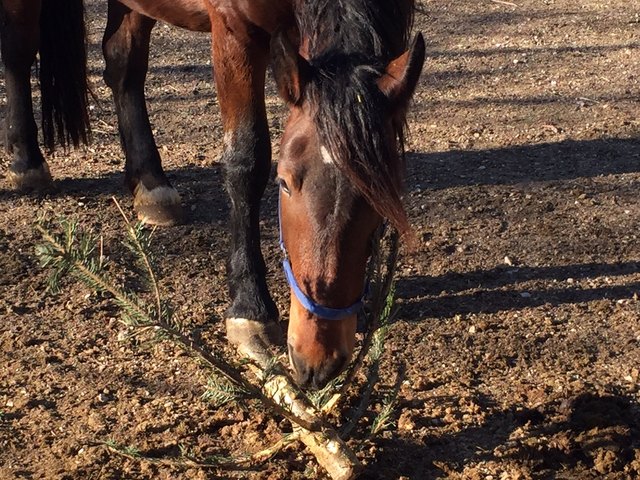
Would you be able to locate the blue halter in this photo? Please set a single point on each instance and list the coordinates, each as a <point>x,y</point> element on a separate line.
<point>312,307</point>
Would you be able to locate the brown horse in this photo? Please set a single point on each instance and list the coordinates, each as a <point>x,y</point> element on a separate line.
<point>347,72</point>
<point>60,40</point>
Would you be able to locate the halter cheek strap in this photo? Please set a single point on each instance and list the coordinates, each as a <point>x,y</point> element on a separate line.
<point>312,307</point>
<point>321,311</point>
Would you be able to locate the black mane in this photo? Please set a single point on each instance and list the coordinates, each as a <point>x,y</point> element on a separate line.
<point>376,28</point>
<point>349,42</point>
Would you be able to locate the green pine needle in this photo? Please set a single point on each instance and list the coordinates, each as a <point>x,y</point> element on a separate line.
<point>220,392</point>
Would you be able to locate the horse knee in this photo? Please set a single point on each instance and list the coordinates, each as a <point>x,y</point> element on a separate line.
<point>125,46</point>
<point>247,161</point>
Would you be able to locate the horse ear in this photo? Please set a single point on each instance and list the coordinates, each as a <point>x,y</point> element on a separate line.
<point>401,76</point>
<point>290,70</point>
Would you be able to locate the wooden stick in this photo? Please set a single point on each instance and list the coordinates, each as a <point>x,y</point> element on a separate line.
<point>502,2</point>
<point>331,452</point>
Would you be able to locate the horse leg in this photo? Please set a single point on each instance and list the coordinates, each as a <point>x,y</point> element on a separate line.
<point>126,51</point>
<point>19,39</point>
<point>240,62</point>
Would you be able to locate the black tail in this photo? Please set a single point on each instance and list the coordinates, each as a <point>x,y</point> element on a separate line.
<point>63,73</point>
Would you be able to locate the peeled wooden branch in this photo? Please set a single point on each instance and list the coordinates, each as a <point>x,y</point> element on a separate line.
<point>331,452</point>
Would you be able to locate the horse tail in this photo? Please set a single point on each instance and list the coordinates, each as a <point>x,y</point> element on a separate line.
<point>63,73</point>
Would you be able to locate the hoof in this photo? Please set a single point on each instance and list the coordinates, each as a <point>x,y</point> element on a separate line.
<point>254,339</point>
<point>160,206</point>
<point>34,179</point>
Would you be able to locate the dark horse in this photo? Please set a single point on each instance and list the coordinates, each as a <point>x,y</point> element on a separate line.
<point>347,71</point>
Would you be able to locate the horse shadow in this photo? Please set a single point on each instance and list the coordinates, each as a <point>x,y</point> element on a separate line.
<point>201,189</point>
<point>596,433</point>
<point>431,171</point>
<point>566,161</point>
<point>543,162</point>
<point>444,295</point>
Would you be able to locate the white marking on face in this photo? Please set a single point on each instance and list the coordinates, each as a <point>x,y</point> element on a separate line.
<point>326,156</point>
<point>227,139</point>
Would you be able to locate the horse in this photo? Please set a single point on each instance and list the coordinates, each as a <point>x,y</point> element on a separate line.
<point>346,69</point>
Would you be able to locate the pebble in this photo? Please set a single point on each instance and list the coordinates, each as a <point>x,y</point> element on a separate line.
<point>405,422</point>
<point>95,421</point>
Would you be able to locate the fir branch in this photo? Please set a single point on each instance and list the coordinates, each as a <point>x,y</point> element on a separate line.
<point>383,419</point>
<point>220,391</point>
<point>76,261</point>
<point>76,264</point>
<point>372,379</point>
<point>187,460</point>
<point>233,374</point>
<point>135,237</point>
<point>74,253</point>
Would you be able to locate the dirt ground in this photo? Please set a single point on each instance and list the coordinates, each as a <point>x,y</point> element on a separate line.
<point>520,319</point>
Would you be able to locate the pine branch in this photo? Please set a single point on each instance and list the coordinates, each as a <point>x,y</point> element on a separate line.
<point>74,253</point>
<point>210,462</point>
<point>76,262</point>
<point>134,236</point>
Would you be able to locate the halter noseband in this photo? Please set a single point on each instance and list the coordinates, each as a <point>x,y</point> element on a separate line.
<point>326,313</point>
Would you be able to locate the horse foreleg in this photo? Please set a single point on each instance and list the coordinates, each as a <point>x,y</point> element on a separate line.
<point>19,38</point>
<point>240,55</point>
<point>126,51</point>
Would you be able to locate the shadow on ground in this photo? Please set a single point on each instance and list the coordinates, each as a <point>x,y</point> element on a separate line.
<point>586,432</point>
<point>544,162</point>
<point>200,187</point>
<point>430,170</point>
<point>444,297</point>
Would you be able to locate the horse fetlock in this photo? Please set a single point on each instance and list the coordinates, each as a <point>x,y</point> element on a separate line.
<point>159,206</point>
<point>162,195</point>
<point>32,179</point>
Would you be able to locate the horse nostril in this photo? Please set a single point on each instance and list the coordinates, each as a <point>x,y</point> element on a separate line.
<point>330,371</point>
<point>315,377</point>
<point>302,373</point>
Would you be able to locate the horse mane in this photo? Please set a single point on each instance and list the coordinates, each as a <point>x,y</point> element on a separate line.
<point>349,43</point>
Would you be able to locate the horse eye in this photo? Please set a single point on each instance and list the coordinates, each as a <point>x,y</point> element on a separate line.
<point>283,186</point>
